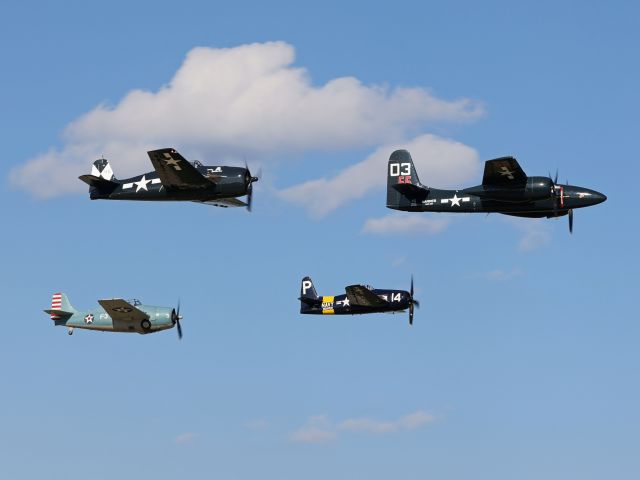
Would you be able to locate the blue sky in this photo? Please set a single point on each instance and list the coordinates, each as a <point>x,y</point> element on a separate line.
<point>523,359</point>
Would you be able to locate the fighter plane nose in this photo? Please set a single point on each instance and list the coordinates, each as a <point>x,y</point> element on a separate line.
<point>598,197</point>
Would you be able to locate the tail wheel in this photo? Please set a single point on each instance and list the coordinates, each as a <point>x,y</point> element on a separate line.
<point>146,325</point>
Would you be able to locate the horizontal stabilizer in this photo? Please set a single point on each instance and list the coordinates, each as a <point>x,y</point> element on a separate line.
<point>58,313</point>
<point>411,191</point>
<point>310,301</point>
<point>223,202</point>
<point>98,182</point>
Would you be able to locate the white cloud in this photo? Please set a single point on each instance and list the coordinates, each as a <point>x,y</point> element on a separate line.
<point>319,429</point>
<point>185,438</point>
<point>407,224</point>
<point>535,232</point>
<point>230,102</point>
<point>439,161</point>
<point>368,425</point>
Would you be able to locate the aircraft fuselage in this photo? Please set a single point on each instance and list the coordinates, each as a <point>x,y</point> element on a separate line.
<point>340,305</point>
<point>99,319</point>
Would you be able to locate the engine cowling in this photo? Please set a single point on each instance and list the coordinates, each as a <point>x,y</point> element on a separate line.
<point>536,188</point>
<point>539,188</point>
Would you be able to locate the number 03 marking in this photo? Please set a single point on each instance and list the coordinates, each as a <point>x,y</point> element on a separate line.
<point>396,169</point>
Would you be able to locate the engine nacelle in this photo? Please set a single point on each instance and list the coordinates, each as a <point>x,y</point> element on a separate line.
<point>536,188</point>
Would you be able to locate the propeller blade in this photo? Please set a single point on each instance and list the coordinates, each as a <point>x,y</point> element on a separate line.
<point>571,220</point>
<point>412,302</point>
<point>249,197</point>
<point>416,303</point>
<point>179,328</point>
<point>250,179</point>
<point>175,317</point>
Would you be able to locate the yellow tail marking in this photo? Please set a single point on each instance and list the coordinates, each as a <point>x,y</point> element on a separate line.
<point>327,305</point>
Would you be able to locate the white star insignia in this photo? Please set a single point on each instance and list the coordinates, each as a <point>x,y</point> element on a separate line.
<point>506,172</point>
<point>345,302</point>
<point>142,184</point>
<point>173,162</point>
<point>455,201</point>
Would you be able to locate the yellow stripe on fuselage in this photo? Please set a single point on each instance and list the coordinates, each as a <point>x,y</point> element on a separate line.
<point>327,305</point>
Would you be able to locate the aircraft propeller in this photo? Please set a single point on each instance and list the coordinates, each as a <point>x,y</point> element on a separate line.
<point>249,180</point>
<point>175,318</point>
<point>555,203</point>
<point>571,220</point>
<point>412,302</point>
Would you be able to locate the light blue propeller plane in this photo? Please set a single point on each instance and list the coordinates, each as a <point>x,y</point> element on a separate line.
<point>115,315</point>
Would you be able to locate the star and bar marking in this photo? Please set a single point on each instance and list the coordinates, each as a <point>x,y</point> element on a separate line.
<point>142,183</point>
<point>455,200</point>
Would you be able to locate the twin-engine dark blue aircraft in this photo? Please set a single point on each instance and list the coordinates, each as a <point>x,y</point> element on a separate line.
<point>358,299</point>
<point>174,179</point>
<point>505,189</point>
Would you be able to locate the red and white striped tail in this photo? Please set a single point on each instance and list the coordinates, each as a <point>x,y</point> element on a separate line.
<point>56,304</point>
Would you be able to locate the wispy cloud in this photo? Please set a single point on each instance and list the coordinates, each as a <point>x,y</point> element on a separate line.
<point>536,232</point>
<point>368,425</point>
<point>405,224</point>
<point>319,428</point>
<point>229,102</point>
<point>439,161</point>
<point>187,437</point>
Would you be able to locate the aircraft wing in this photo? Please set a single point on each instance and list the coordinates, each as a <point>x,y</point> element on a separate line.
<point>224,202</point>
<point>362,296</point>
<point>175,171</point>
<point>503,172</point>
<point>122,310</point>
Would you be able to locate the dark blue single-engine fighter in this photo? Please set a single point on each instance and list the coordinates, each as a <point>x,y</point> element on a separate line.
<point>174,179</point>
<point>358,299</point>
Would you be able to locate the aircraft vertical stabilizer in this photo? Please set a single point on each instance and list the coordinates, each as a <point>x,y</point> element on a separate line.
<point>403,185</point>
<point>60,306</point>
<point>308,295</point>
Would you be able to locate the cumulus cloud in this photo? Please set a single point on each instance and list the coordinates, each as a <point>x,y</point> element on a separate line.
<point>398,224</point>
<point>229,102</point>
<point>439,161</point>
<point>319,429</point>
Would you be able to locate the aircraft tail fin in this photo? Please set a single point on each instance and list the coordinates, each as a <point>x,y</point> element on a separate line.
<point>60,307</point>
<point>403,185</point>
<point>101,180</point>
<point>308,295</point>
